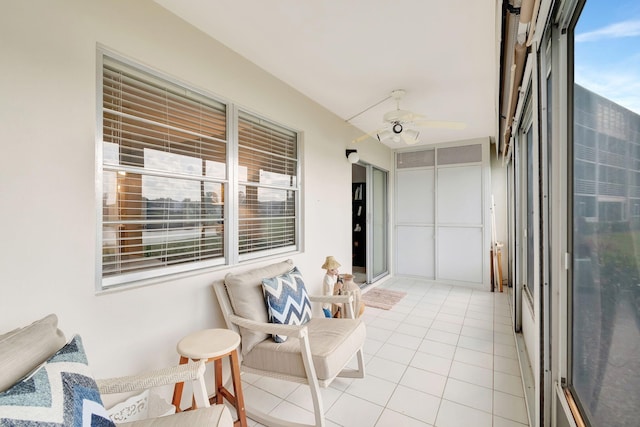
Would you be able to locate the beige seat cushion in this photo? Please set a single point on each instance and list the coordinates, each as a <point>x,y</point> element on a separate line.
<point>333,343</point>
<point>24,349</point>
<point>247,300</point>
<point>214,416</point>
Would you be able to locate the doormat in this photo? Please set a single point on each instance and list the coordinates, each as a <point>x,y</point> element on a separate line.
<point>382,298</point>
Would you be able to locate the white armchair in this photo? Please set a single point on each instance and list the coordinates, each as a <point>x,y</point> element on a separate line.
<point>315,353</point>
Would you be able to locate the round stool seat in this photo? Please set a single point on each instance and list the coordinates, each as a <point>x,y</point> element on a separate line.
<point>208,343</point>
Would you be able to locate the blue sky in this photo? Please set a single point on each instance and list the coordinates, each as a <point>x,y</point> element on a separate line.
<point>607,50</point>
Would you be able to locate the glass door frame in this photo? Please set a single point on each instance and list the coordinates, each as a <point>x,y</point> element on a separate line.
<point>377,223</point>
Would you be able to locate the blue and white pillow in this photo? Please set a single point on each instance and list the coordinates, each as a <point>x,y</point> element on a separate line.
<point>61,392</point>
<point>287,300</point>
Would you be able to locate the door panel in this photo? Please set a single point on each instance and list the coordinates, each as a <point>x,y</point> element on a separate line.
<point>415,251</point>
<point>378,247</point>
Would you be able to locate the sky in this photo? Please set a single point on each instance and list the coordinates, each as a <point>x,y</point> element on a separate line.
<point>607,50</point>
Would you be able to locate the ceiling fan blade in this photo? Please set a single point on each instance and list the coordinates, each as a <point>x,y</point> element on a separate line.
<point>366,135</point>
<point>402,116</point>
<point>412,117</point>
<point>443,124</point>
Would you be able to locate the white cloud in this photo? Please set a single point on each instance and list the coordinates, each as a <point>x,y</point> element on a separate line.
<point>613,31</point>
<point>621,86</point>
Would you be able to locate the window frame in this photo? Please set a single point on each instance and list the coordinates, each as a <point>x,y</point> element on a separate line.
<point>230,183</point>
<point>264,125</point>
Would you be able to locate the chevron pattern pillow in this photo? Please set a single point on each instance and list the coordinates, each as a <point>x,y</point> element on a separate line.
<point>61,392</point>
<point>287,300</point>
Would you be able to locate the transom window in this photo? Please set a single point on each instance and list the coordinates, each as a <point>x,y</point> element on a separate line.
<point>168,203</point>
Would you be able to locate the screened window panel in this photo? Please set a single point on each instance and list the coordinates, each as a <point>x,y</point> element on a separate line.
<point>267,165</point>
<point>164,172</point>
<point>604,297</point>
<point>415,159</point>
<point>462,154</point>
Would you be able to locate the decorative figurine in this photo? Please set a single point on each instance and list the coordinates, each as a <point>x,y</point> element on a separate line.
<point>331,284</point>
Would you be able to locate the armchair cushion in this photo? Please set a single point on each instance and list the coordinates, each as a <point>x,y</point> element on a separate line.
<point>247,300</point>
<point>214,416</point>
<point>23,349</point>
<point>287,300</point>
<point>62,391</point>
<point>333,343</point>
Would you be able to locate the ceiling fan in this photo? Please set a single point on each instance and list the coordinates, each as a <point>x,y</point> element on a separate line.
<point>401,125</point>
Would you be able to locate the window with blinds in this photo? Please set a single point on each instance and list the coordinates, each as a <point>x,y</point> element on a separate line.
<point>164,174</point>
<point>268,185</point>
<point>165,179</point>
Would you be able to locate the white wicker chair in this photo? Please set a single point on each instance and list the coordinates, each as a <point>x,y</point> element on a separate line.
<point>315,353</point>
<point>23,350</point>
<point>206,415</point>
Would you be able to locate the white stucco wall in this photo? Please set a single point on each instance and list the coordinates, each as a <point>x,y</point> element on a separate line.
<point>47,173</point>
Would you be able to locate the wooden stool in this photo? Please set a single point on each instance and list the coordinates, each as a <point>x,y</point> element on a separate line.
<point>214,345</point>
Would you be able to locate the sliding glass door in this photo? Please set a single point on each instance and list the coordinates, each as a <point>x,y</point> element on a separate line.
<point>370,241</point>
<point>378,234</point>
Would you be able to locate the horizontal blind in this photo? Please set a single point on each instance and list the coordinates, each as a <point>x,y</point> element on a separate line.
<point>164,173</point>
<point>268,182</point>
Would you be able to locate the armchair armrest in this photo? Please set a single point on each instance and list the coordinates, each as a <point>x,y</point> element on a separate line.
<point>333,299</point>
<point>296,331</point>
<point>346,299</point>
<point>172,375</point>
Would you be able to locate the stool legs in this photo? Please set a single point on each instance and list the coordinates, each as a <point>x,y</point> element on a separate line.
<point>177,390</point>
<point>236,400</point>
<point>217,368</point>
<point>237,388</point>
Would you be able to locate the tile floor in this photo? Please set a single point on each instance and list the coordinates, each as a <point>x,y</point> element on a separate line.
<point>444,356</point>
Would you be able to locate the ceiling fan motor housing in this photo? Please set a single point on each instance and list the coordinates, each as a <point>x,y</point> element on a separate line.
<point>396,120</point>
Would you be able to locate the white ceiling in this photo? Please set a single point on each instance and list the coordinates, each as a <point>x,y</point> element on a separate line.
<point>348,55</point>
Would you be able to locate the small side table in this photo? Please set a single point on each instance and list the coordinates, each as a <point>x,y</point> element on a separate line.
<point>214,345</point>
